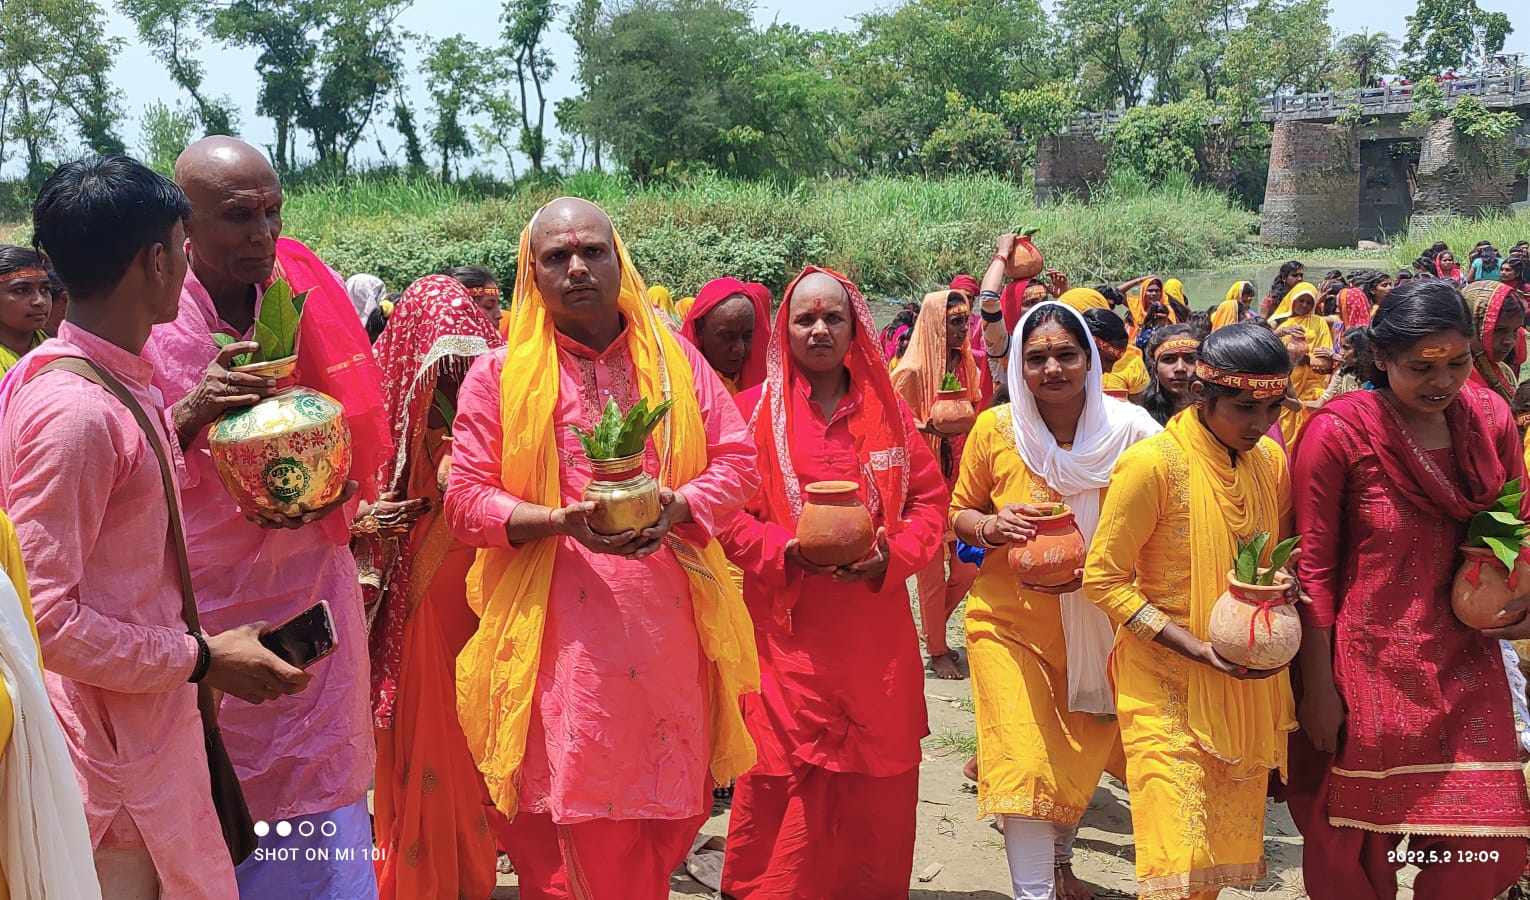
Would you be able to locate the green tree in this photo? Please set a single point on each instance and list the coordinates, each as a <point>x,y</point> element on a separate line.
<point>1112,45</point>
<point>572,113</point>
<point>1366,55</point>
<point>1451,34</point>
<point>968,140</point>
<point>454,74</point>
<point>403,122</point>
<point>164,131</point>
<point>526,24</point>
<point>1283,46</point>
<point>171,30</point>
<point>1157,141</point>
<point>55,60</point>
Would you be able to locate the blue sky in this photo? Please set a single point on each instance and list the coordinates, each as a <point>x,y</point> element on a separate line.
<point>230,71</point>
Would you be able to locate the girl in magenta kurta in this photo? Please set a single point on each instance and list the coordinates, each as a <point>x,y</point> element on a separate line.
<point>1407,723</point>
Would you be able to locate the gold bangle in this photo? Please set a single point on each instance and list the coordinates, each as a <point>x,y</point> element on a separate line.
<point>366,525</point>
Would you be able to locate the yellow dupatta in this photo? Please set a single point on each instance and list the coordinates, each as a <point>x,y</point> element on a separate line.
<point>1083,299</point>
<point>1129,374</point>
<point>1229,312</point>
<point>1240,722</point>
<point>496,671</point>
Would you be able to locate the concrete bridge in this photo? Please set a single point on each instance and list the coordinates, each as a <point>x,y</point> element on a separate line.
<point>1331,184</point>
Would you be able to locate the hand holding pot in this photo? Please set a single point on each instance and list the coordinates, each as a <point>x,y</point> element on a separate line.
<point>220,390</point>
<point>1209,657</point>
<point>674,510</point>
<point>795,558</point>
<point>1516,624</point>
<point>266,518</point>
<point>872,567</point>
<point>1077,584</point>
<point>573,521</point>
<point>1013,525</point>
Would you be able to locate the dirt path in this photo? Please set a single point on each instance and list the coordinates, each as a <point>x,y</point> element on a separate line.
<point>963,857</point>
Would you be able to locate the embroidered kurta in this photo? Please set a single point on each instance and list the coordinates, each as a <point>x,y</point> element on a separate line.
<point>1035,757</point>
<point>1197,826</point>
<point>1429,743</point>
<point>842,683</point>
<point>619,725</point>
<point>306,753</point>
<point>84,488</point>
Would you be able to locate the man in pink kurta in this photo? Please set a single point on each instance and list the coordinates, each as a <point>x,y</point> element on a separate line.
<point>308,757</point>
<point>616,761</point>
<point>83,485</point>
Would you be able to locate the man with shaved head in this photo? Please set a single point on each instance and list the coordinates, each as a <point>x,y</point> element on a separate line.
<point>600,695</point>
<point>840,713</point>
<point>308,757</point>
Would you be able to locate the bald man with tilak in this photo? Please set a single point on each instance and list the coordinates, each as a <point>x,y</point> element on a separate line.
<point>600,694</point>
<point>305,759</point>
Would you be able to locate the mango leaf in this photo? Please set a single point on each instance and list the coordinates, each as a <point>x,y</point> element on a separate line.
<point>281,320</point>
<point>586,440</point>
<point>950,382</point>
<point>267,339</point>
<point>1278,558</point>
<point>1246,564</point>
<point>1506,551</point>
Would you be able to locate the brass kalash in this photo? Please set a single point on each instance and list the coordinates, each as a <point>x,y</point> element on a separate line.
<point>291,452</point>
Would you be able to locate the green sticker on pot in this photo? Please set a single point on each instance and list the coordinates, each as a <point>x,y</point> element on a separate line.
<point>286,479</point>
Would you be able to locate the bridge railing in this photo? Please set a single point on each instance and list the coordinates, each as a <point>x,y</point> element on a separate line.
<point>1511,89</point>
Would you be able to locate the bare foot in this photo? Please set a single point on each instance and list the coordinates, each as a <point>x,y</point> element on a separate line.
<point>969,771</point>
<point>947,667</point>
<point>1069,887</point>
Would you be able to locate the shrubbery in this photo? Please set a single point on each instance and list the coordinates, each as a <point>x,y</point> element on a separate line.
<point>895,236</point>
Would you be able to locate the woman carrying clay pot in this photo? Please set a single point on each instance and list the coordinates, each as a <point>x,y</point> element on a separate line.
<point>1407,726</point>
<point>829,809</point>
<point>939,346</point>
<point>1201,735</point>
<point>1043,701</point>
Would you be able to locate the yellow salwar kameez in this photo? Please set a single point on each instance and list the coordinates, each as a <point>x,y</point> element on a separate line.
<point>1199,744</point>
<point>1035,757</point>
<point>1129,374</point>
<point>9,357</point>
<point>1306,384</point>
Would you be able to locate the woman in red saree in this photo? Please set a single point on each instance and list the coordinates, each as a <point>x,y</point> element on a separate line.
<point>1498,312</point>
<point>828,811</point>
<point>430,803</point>
<point>1407,727</point>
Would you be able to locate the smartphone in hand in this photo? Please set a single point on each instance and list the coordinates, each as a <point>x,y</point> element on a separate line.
<point>305,638</point>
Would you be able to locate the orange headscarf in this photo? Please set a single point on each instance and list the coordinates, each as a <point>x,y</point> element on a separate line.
<point>711,295</point>
<point>923,365</point>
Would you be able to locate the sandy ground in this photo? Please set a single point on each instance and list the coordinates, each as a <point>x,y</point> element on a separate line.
<point>959,857</point>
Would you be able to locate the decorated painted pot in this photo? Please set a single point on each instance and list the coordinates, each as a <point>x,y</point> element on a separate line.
<point>1484,586</point>
<point>952,412</point>
<point>290,453</point>
<point>1255,625</point>
<point>628,497</point>
<point>835,528</point>
<point>1049,560</point>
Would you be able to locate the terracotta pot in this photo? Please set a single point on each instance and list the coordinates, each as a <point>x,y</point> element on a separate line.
<point>834,529</point>
<point>1050,559</point>
<point>290,453</point>
<point>1483,587</point>
<point>1255,625</point>
<point>952,412</point>
<point>1024,259</point>
<point>628,496</point>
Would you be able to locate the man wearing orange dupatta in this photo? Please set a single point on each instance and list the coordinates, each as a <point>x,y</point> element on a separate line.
<point>939,346</point>
<point>430,825</point>
<point>835,644</point>
<point>733,340</point>
<point>600,694</point>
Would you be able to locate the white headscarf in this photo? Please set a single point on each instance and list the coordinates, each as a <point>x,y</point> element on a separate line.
<point>366,292</point>
<point>1105,429</point>
<point>44,843</point>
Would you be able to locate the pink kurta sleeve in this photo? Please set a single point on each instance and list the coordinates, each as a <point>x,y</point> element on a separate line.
<point>732,474</point>
<point>1321,468</point>
<point>477,507</point>
<point>57,497</point>
<point>924,511</point>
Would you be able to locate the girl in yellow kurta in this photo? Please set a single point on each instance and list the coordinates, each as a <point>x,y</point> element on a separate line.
<point>1042,697</point>
<point>1200,734</point>
<point>1307,338</point>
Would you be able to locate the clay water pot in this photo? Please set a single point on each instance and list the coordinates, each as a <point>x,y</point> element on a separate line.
<point>1049,560</point>
<point>628,496</point>
<point>835,528</point>
<point>288,454</point>
<point>1484,586</point>
<point>952,412</point>
<point>1255,625</point>
<point>1024,259</point>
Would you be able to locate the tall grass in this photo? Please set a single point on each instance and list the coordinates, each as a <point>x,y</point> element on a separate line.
<point>1503,231</point>
<point>895,236</point>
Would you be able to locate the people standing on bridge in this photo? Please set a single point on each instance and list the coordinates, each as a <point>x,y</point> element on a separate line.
<point>1292,273</point>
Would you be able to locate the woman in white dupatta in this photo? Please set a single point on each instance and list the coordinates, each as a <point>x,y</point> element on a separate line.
<point>1040,750</point>
<point>44,844</point>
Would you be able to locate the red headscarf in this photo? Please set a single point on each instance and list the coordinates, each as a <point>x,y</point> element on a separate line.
<point>881,443</point>
<point>435,327</point>
<point>966,284</point>
<point>1453,272</point>
<point>715,292</point>
<point>1354,308</point>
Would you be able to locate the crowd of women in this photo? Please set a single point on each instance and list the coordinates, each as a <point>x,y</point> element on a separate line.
<point>1173,432</point>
